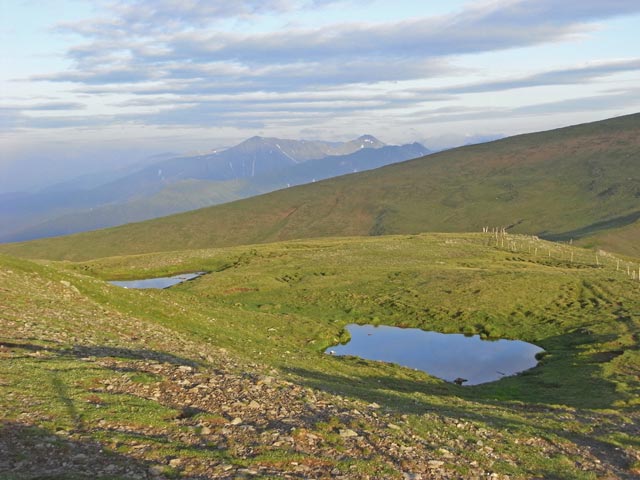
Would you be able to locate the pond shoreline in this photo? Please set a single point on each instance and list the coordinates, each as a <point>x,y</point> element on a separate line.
<point>457,358</point>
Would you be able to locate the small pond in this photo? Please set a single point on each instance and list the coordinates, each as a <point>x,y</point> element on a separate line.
<point>446,356</point>
<point>160,282</point>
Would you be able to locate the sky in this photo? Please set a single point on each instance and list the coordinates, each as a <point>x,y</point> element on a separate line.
<point>91,86</point>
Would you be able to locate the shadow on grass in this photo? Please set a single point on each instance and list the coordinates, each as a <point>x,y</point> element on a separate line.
<point>83,351</point>
<point>28,452</point>
<point>32,452</point>
<point>617,222</point>
<point>61,390</point>
<point>484,409</point>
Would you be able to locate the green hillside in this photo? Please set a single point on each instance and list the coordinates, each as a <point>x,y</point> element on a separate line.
<point>225,376</point>
<point>570,183</point>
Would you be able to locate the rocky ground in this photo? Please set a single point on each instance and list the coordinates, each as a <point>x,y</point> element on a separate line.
<point>234,425</point>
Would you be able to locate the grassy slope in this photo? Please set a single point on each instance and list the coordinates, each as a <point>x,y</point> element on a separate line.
<point>280,305</point>
<point>550,183</point>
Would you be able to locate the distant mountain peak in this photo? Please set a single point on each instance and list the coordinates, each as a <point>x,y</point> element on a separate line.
<point>256,139</point>
<point>368,138</point>
<point>365,141</point>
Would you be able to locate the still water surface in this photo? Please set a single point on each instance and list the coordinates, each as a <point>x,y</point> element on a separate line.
<point>446,356</point>
<point>160,282</point>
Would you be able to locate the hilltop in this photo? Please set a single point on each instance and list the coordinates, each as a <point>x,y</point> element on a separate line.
<point>578,182</point>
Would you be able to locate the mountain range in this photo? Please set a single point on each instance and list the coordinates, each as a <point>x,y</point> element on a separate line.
<point>171,185</point>
<point>580,183</point>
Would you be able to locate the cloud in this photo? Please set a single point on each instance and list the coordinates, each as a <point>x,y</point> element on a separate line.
<point>47,106</point>
<point>611,101</point>
<point>607,101</point>
<point>102,76</point>
<point>68,121</point>
<point>175,61</point>
<point>219,77</point>
<point>259,99</point>
<point>142,17</point>
<point>13,116</point>
<point>9,120</point>
<point>259,109</point>
<point>564,76</point>
<point>131,48</point>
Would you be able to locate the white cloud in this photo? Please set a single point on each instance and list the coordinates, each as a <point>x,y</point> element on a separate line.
<point>603,102</point>
<point>562,76</point>
<point>161,40</point>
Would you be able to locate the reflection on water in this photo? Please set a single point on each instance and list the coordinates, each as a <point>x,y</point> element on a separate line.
<point>447,356</point>
<point>160,282</point>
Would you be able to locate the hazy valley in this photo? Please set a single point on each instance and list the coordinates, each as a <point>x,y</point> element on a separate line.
<point>255,166</point>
